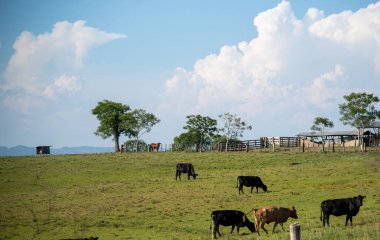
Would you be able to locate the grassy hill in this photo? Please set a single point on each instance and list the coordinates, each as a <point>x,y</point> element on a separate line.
<point>135,196</point>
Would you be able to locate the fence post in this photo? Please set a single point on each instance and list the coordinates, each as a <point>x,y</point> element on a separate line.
<point>295,231</point>
<point>333,148</point>
<point>303,145</point>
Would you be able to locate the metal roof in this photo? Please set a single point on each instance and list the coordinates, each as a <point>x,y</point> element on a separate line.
<point>327,133</point>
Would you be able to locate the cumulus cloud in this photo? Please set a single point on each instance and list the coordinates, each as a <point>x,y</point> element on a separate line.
<point>293,66</point>
<point>63,84</point>
<point>38,59</point>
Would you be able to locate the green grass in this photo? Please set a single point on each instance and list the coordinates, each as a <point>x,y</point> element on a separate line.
<point>135,196</point>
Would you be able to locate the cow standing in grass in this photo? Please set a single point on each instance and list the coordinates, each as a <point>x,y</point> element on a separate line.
<point>232,218</point>
<point>338,207</point>
<point>250,181</point>
<point>277,215</point>
<point>185,168</point>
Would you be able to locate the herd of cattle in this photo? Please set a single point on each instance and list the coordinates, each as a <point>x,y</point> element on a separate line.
<point>235,218</point>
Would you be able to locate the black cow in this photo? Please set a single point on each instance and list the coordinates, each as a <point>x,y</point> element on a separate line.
<point>185,168</point>
<point>338,207</point>
<point>250,181</point>
<point>230,218</point>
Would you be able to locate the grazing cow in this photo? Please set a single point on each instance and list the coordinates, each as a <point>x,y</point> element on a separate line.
<point>250,181</point>
<point>267,215</point>
<point>338,207</point>
<point>154,146</point>
<point>230,218</point>
<point>185,168</point>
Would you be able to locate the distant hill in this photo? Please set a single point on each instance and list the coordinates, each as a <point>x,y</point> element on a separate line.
<point>25,151</point>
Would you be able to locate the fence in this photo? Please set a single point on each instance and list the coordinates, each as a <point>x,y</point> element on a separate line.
<point>269,144</point>
<point>262,143</point>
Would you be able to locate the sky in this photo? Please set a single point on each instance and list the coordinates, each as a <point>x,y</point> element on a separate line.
<point>276,64</point>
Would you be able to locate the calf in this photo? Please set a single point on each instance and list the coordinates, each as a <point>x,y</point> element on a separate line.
<point>185,168</point>
<point>250,181</point>
<point>230,218</point>
<point>273,214</point>
<point>338,207</point>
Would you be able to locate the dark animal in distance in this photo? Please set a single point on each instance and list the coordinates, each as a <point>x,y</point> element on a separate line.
<point>250,181</point>
<point>154,147</point>
<point>232,218</point>
<point>185,168</point>
<point>277,215</point>
<point>338,207</point>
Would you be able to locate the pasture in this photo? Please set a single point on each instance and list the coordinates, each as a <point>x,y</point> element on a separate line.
<point>135,195</point>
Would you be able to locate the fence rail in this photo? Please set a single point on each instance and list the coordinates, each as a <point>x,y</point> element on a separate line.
<point>263,144</point>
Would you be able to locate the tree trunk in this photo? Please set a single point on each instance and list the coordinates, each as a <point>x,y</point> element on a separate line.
<point>116,137</point>
<point>137,144</point>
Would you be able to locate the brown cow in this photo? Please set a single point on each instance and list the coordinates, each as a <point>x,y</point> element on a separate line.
<point>154,147</point>
<point>273,214</point>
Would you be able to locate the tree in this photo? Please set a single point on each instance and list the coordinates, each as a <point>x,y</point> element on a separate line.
<point>233,126</point>
<point>185,141</point>
<point>203,129</point>
<point>320,124</point>
<point>359,111</point>
<point>131,146</point>
<point>143,123</point>
<point>115,119</point>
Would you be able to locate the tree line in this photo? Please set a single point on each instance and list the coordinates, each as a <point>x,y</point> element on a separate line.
<point>116,119</point>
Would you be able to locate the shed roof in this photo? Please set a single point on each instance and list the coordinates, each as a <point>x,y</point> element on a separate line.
<point>328,133</point>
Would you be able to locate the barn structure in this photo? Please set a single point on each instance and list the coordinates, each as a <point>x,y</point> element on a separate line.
<point>346,138</point>
<point>42,150</point>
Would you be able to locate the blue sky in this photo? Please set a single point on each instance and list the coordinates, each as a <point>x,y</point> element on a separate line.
<point>277,64</point>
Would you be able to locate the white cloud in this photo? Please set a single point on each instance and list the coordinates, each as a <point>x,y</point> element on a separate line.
<point>324,88</point>
<point>63,84</point>
<point>38,59</point>
<point>293,66</point>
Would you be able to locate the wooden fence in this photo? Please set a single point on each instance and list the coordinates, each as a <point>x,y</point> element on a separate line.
<point>262,143</point>
<point>268,144</point>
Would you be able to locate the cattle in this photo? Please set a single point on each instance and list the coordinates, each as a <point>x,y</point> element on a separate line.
<point>232,218</point>
<point>250,181</point>
<point>338,207</point>
<point>154,147</point>
<point>277,215</point>
<point>185,168</point>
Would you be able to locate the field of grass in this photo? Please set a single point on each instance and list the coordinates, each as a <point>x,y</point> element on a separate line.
<point>135,196</point>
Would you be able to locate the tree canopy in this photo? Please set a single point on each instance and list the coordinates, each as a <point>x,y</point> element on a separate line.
<point>233,126</point>
<point>144,122</point>
<point>115,119</point>
<point>321,123</point>
<point>359,110</point>
<point>200,128</point>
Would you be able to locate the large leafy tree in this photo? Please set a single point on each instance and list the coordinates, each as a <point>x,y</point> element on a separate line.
<point>202,128</point>
<point>144,122</point>
<point>359,110</point>
<point>115,119</point>
<point>233,126</point>
<point>320,124</point>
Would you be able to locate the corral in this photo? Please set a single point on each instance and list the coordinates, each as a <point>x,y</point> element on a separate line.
<point>135,195</point>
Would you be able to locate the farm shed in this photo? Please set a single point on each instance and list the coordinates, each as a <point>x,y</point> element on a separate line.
<point>42,150</point>
<point>348,138</point>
